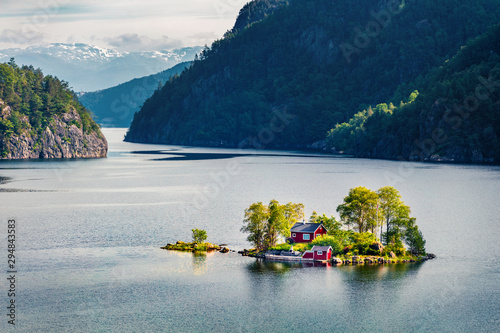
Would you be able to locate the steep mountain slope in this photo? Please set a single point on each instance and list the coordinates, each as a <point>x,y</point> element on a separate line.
<point>256,11</point>
<point>91,68</point>
<point>455,117</point>
<point>116,106</point>
<point>41,118</point>
<point>286,80</point>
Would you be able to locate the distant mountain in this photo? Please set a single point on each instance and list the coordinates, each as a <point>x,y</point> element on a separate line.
<point>91,68</point>
<point>116,106</point>
<point>288,78</point>
<point>40,117</point>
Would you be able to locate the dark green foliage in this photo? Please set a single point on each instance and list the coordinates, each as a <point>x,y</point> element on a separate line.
<point>293,61</point>
<point>414,239</point>
<point>254,12</point>
<point>31,94</point>
<point>455,117</point>
<point>361,242</point>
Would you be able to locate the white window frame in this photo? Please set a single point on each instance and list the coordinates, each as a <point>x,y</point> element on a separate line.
<point>320,253</point>
<point>306,237</point>
<point>293,235</point>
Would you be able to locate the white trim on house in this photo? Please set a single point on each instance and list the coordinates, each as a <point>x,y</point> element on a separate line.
<point>294,235</point>
<point>306,238</point>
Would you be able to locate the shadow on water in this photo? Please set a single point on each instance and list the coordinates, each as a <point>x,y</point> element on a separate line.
<point>173,155</point>
<point>7,180</point>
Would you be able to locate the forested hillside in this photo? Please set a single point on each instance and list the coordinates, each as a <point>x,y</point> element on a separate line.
<point>40,117</point>
<point>311,64</point>
<point>116,106</point>
<point>256,11</point>
<point>453,116</point>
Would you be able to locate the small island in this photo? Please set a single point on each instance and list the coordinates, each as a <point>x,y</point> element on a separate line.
<point>352,240</point>
<point>281,233</point>
<point>197,245</point>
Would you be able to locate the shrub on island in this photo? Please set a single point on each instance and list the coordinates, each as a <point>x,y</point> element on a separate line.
<point>197,245</point>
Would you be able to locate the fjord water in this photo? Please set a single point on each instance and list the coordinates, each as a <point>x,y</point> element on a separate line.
<point>89,232</point>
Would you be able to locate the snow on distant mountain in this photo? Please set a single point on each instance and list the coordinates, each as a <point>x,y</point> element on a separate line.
<point>89,68</point>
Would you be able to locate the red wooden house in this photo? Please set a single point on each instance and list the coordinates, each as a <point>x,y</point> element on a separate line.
<point>318,253</point>
<point>305,232</point>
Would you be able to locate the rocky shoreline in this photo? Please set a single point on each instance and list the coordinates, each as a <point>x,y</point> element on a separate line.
<point>62,138</point>
<point>196,247</point>
<point>287,256</point>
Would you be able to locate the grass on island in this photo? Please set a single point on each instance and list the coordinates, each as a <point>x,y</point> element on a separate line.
<point>192,247</point>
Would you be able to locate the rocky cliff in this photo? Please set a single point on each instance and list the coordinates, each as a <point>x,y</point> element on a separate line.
<point>62,138</point>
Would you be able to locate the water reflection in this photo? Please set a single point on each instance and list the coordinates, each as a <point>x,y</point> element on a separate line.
<point>263,267</point>
<point>199,263</point>
<point>357,273</point>
<point>365,273</point>
<point>281,267</point>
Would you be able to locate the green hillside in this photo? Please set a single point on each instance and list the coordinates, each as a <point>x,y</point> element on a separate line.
<point>454,117</point>
<point>286,80</point>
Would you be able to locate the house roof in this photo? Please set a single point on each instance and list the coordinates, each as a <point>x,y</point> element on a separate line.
<point>305,227</point>
<point>321,248</point>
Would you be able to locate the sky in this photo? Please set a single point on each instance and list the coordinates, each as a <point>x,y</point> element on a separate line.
<point>124,25</point>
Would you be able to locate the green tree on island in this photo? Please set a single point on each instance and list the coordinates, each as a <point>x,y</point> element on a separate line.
<point>265,224</point>
<point>393,210</point>
<point>331,224</point>
<point>199,236</point>
<point>414,238</point>
<point>255,222</point>
<point>277,224</point>
<point>294,212</point>
<point>362,209</point>
<point>359,209</point>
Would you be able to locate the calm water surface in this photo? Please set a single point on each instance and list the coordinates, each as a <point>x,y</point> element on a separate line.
<point>89,232</point>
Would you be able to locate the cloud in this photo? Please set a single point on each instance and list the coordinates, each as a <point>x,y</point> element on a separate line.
<point>137,25</point>
<point>26,35</point>
<point>202,38</point>
<point>135,42</point>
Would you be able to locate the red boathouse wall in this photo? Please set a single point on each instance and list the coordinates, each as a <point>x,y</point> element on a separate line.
<point>326,255</point>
